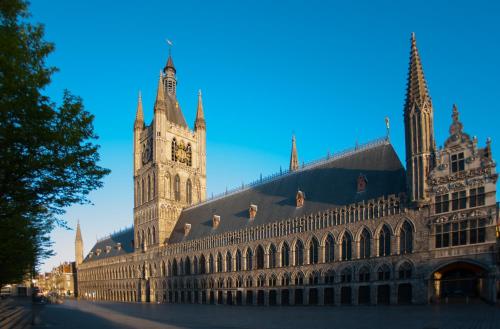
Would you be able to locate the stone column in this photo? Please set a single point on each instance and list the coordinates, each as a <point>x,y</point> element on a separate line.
<point>394,293</point>
<point>336,295</point>
<point>278,296</point>
<point>291,295</point>
<point>305,295</point>
<point>266,297</point>
<point>354,294</point>
<point>373,294</point>
<point>321,296</point>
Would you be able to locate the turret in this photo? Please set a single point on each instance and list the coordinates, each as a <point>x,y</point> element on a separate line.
<point>294,158</point>
<point>419,129</point>
<point>138,127</point>
<point>200,130</point>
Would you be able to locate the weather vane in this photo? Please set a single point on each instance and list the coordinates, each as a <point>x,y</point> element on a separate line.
<point>170,45</point>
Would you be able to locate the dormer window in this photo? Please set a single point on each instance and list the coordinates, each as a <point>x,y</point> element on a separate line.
<point>299,199</point>
<point>361,183</point>
<point>119,246</point>
<point>457,162</point>
<point>252,211</point>
<point>108,249</point>
<point>215,221</point>
<point>187,228</point>
<point>98,252</point>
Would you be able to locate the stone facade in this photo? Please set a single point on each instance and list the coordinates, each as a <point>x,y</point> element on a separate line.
<point>430,240</point>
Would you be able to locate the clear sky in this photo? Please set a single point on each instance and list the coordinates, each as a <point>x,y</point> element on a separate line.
<point>328,71</point>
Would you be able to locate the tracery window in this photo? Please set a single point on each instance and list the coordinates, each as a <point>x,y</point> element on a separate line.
<point>219,262</point>
<point>313,251</point>
<point>406,239</point>
<point>202,266</point>
<point>211,264</point>
<point>260,257</point>
<point>299,253</point>
<point>229,262</point>
<point>272,256</point>
<point>261,281</point>
<point>405,271</point>
<point>346,275</point>
<point>384,273</point>
<point>272,281</point>
<point>347,246</point>
<point>329,249</point>
<point>299,279</point>
<point>384,242</point>
<point>248,259</point>
<point>187,266</point>
<point>177,188</point>
<point>238,260</point>
<point>189,192</point>
<point>174,267</point>
<point>285,255</point>
<point>195,265</point>
<point>364,274</point>
<point>364,244</point>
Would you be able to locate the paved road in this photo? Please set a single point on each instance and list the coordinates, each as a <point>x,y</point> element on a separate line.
<point>82,314</point>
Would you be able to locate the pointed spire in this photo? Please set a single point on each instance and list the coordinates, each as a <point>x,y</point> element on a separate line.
<point>294,158</point>
<point>200,116</point>
<point>417,93</point>
<point>78,232</point>
<point>170,63</point>
<point>139,115</point>
<point>160,93</point>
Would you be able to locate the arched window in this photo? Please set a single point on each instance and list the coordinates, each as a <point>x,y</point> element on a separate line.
<point>187,266</point>
<point>285,280</point>
<point>195,265</point>
<point>189,192</point>
<point>177,188</point>
<point>272,256</point>
<point>149,236</point>
<point>138,193</point>
<point>347,246</point>
<point>219,262</point>
<point>406,239</point>
<point>174,149</point>
<point>299,253</point>
<point>260,257</point>
<point>202,266</point>
<point>181,267</point>
<point>149,189</point>
<point>313,251</point>
<point>211,264</point>
<point>143,192</point>
<point>346,275</point>
<point>404,271</point>
<point>285,255</point>
<point>261,280</point>
<point>364,244</point>
<point>364,274</point>
<point>272,281</point>
<point>238,260</point>
<point>384,242</point>
<point>299,279</point>
<point>154,235</point>
<point>249,259</point>
<point>154,184</point>
<point>174,267</point>
<point>329,249</point>
<point>229,262</point>
<point>167,186</point>
<point>384,273</point>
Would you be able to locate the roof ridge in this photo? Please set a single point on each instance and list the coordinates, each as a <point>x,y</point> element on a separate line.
<point>313,164</point>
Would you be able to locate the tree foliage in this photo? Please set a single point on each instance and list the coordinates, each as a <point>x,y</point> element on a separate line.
<point>48,158</point>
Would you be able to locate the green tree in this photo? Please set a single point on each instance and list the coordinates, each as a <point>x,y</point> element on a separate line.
<point>48,156</point>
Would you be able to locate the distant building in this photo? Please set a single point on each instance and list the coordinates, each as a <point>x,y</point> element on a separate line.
<point>353,228</point>
<point>62,280</point>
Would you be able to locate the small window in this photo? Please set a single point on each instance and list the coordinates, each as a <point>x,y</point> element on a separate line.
<point>476,197</point>
<point>442,203</point>
<point>458,200</point>
<point>457,162</point>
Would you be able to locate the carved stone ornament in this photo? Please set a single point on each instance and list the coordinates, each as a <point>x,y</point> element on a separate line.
<point>187,228</point>
<point>215,221</point>
<point>252,211</point>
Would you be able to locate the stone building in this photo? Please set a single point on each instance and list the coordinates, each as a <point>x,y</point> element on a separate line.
<point>352,228</point>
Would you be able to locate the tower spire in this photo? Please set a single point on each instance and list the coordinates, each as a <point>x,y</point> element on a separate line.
<point>200,116</point>
<point>78,245</point>
<point>294,158</point>
<point>419,129</point>
<point>417,93</point>
<point>139,115</point>
<point>160,93</point>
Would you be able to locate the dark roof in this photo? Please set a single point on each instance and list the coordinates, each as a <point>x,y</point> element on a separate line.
<point>123,237</point>
<point>174,112</point>
<point>330,184</point>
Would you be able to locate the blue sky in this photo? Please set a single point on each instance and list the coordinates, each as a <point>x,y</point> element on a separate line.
<point>328,71</point>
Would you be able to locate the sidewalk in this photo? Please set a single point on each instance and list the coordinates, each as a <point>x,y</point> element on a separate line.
<point>16,312</point>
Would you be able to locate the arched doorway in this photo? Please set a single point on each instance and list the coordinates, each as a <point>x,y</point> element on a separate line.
<point>459,282</point>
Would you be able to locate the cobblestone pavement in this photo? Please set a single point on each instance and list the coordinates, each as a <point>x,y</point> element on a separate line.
<point>82,314</point>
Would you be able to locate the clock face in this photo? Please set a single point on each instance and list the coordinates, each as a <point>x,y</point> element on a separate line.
<point>147,151</point>
<point>181,152</point>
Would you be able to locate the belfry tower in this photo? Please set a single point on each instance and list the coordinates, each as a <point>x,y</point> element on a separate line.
<point>419,130</point>
<point>294,158</point>
<point>169,163</point>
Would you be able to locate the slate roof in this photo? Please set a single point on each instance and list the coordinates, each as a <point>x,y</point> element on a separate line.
<point>326,186</point>
<point>174,112</point>
<point>124,237</point>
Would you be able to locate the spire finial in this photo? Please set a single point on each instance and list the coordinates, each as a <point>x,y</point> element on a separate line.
<point>294,158</point>
<point>160,93</point>
<point>139,115</point>
<point>417,94</point>
<point>456,127</point>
